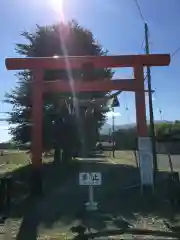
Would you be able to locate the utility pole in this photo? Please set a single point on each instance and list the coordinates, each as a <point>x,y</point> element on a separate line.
<point>151,115</point>
<point>113,130</point>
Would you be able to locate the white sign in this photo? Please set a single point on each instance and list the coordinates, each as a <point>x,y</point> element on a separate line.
<point>95,178</point>
<point>144,144</point>
<point>90,178</point>
<point>146,167</point>
<point>145,160</point>
<point>83,178</point>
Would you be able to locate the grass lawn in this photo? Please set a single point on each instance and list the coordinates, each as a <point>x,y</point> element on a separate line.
<point>62,206</point>
<point>128,158</point>
<point>122,157</point>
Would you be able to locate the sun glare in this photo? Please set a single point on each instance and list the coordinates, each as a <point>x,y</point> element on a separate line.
<point>57,5</point>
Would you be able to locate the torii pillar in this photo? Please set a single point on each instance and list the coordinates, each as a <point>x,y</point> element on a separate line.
<point>137,62</point>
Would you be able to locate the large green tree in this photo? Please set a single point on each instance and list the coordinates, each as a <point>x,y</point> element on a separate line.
<point>164,131</point>
<point>61,40</point>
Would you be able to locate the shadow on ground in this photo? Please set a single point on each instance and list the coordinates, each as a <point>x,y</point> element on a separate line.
<point>62,204</point>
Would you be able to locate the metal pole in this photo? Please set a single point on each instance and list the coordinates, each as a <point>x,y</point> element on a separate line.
<point>109,134</point>
<point>113,120</point>
<point>151,115</point>
<point>91,194</point>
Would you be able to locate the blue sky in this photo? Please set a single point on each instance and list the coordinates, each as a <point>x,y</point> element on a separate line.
<point>118,27</point>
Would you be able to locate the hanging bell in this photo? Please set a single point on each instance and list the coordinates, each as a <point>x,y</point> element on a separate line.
<point>115,102</point>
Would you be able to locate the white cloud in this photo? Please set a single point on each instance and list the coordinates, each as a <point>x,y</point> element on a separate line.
<point>111,114</point>
<point>4,132</point>
<point>4,127</point>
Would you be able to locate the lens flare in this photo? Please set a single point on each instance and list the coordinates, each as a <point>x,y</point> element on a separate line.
<point>57,6</point>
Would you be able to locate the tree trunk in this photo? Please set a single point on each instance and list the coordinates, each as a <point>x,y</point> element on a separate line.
<point>57,155</point>
<point>36,182</point>
<point>67,156</point>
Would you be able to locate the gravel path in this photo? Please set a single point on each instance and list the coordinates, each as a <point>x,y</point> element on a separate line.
<point>63,208</point>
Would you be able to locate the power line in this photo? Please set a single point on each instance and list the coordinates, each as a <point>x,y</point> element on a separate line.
<point>177,50</point>
<point>142,43</point>
<point>144,22</point>
<point>143,19</point>
<point>141,15</point>
<point>139,9</point>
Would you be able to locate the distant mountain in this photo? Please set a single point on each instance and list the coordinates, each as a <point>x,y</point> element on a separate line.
<point>108,127</point>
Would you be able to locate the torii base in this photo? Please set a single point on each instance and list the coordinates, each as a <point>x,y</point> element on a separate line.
<point>36,183</point>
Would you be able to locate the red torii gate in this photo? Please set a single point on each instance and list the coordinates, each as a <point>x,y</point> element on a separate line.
<point>38,65</point>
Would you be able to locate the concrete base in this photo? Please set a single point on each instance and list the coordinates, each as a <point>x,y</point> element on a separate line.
<point>91,206</point>
<point>36,182</point>
<point>147,190</point>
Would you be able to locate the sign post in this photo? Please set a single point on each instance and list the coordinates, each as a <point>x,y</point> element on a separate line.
<point>90,179</point>
<point>146,162</point>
